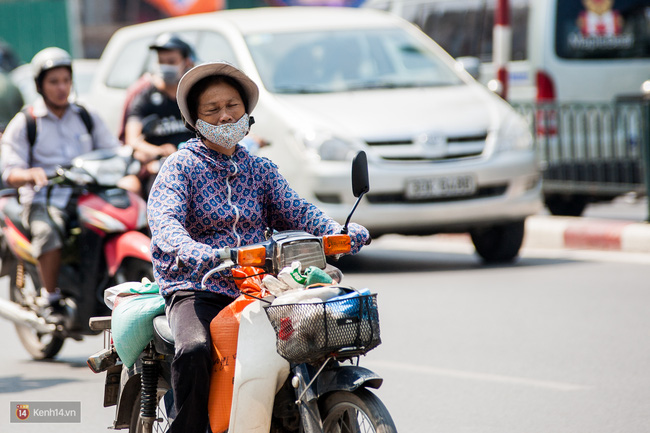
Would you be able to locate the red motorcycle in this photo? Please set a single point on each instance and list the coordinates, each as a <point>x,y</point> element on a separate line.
<point>105,245</point>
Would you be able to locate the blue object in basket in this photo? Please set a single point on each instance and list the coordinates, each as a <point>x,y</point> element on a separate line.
<point>348,304</point>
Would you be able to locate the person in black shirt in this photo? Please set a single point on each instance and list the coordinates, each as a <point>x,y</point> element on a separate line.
<point>154,126</point>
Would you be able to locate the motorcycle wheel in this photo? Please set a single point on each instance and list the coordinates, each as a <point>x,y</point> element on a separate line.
<point>39,346</point>
<point>161,423</point>
<point>358,412</point>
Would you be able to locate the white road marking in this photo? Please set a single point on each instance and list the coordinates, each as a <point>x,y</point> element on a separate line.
<point>483,377</point>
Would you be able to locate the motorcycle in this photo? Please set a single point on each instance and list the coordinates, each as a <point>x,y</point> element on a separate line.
<point>296,370</point>
<point>104,247</point>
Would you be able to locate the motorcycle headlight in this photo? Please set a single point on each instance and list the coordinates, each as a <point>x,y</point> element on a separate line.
<point>329,147</point>
<point>513,134</point>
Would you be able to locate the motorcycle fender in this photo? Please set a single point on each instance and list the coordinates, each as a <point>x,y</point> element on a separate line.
<point>128,394</point>
<point>112,385</point>
<point>7,260</point>
<point>347,378</point>
<point>129,244</point>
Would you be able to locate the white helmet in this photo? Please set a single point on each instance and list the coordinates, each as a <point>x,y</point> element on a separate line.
<point>49,58</point>
<point>197,73</point>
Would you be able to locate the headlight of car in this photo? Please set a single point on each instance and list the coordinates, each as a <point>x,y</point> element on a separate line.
<point>329,147</point>
<point>513,134</point>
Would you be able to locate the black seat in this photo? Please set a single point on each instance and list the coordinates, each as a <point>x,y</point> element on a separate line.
<point>163,339</point>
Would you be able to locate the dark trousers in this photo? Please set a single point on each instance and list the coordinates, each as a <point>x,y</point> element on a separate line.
<point>189,314</point>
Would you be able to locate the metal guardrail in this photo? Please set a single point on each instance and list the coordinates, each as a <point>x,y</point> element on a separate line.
<point>595,150</point>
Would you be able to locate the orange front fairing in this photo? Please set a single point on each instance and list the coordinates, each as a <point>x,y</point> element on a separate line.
<point>18,242</point>
<point>129,244</point>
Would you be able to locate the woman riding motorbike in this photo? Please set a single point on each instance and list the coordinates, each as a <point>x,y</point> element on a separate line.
<point>211,194</point>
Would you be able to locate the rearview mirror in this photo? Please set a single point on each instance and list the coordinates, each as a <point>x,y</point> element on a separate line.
<point>360,182</point>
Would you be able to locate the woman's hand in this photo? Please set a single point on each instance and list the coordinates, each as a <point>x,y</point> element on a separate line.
<point>359,236</point>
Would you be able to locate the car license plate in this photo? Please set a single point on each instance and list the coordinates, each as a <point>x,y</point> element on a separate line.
<point>440,186</point>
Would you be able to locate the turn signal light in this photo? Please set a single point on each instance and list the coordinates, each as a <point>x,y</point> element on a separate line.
<point>336,244</point>
<point>251,256</point>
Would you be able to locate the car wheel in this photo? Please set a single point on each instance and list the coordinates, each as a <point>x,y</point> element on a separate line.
<point>566,205</point>
<point>500,243</point>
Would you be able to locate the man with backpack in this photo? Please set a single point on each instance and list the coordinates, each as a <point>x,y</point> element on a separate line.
<point>42,137</point>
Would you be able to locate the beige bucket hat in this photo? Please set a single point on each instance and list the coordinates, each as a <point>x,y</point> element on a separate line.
<point>203,70</point>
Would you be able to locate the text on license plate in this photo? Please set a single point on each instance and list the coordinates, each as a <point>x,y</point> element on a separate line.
<point>440,186</point>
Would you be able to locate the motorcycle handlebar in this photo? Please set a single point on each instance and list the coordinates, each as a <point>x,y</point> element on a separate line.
<point>51,180</point>
<point>220,253</point>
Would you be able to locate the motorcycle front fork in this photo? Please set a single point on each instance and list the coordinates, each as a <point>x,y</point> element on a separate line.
<point>306,398</point>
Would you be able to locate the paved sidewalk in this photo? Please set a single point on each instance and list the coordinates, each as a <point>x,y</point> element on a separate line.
<point>587,233</point>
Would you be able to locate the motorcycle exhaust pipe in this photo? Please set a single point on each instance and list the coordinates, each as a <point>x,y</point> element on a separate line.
<point>14,312</point>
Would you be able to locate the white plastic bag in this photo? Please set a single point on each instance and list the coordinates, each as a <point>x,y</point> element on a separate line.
<point>129,288</point>
<point>292,276</point>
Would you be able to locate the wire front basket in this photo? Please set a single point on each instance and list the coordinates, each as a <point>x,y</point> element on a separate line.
<point>310,332</point>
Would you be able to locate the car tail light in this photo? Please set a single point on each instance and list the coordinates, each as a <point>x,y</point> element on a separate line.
<point>546,117</point>
<point>545,87</point>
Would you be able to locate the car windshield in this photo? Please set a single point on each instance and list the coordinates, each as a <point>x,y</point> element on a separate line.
<point>345,60</point>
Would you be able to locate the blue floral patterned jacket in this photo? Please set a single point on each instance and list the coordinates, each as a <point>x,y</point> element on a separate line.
<point>202,200</point>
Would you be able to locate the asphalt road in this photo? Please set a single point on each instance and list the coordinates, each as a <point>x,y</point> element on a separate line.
<point>556,343</point>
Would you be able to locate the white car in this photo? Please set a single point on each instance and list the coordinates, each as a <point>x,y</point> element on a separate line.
<point>445,154</point>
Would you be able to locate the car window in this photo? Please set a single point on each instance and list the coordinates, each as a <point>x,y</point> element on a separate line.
<point>619,29</point>
<point>334,61</point>
<point>212,46</point>
<point>84,70</point>
<point>136,57</point>
<point>130,64</point>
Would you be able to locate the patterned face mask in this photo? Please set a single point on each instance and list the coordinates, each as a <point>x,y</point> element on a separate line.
<point>226,135</point>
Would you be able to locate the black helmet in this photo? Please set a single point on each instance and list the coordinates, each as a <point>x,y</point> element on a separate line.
<point>171,41</point>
